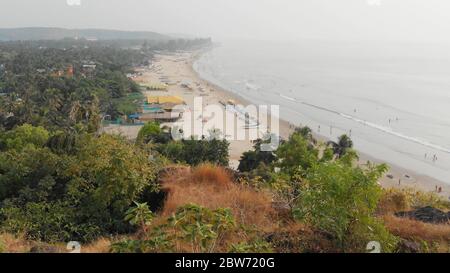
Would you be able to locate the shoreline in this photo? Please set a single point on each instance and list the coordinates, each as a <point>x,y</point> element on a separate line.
<point>182,70</point>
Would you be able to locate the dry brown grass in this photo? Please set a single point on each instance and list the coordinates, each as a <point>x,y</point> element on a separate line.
<point>395,200</point>
<point>14,244</point>
<point>295,237</point>
<point>212,187</point>
<point>212,176</point>
<point>413,230</point>
<point>17,244</point>
<point>101,245</point>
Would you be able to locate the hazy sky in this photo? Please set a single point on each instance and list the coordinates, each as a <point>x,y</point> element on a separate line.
<point>423,20</point>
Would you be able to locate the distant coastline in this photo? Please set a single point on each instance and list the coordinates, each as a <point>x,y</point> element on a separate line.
<point>54,33</point>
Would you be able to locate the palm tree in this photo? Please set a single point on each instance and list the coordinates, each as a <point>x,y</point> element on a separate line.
<point>306,133</point>
<point>341,147</point>
<point>74,113</point>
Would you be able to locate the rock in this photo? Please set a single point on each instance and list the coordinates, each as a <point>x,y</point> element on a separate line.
<point>405,246</point>
<point>427,215</point>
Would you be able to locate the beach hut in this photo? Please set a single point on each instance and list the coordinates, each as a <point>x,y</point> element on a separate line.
<point>162,108</point>
<point>160,116</point>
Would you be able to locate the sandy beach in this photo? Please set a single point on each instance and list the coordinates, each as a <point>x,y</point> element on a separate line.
<point>178,68</point>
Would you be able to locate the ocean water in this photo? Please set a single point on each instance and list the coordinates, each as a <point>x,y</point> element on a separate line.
<point>393,99</point>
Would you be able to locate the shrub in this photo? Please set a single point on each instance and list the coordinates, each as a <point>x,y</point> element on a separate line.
<point>395,200</point>
<point>24,136</point>
<point>297,153</point>
<point>80,196</point>
<point>141,216</point>
<point>152,132</point>
<point>192,228</point>
<point>196,151</point>
<point>156,242</point>
<point>213,151</point>
<point>202,228</point>
<point>341,200</point>
<point>251,160</point>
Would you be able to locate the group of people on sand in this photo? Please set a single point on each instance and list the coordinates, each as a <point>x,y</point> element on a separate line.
<point>438,189</point>
<point>434,158</point>
<point>331,129</point>
<point>390,120</point>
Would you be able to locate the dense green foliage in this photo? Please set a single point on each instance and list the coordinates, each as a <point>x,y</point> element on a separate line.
<point>141,216</point>
<point>55,196</point>
<point>195,152</point>
<point>325,189</point>
<point>342,146</point>
<point>152,132</point>
<point>251,160</point>
<point>194,229</point>
<point>188,151</point>
<point>342,201</point>
<point>40,90</point>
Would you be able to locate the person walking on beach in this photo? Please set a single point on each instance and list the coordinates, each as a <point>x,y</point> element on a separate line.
<point>319,128</point>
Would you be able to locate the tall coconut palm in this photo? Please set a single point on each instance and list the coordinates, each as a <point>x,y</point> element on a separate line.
<point>341,147</point>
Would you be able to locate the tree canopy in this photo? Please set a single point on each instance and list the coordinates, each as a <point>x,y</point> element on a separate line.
<point>55,197</point>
